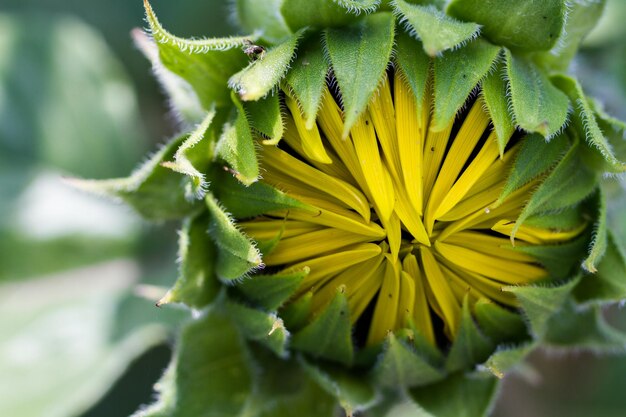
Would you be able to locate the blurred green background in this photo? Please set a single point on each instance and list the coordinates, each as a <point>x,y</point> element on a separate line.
<point>80,335</point>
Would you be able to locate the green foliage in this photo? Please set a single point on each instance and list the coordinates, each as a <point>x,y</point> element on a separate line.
<point>494,93</point>
<point>272,291</point>
<point>456,74</point>
<point>437,31</point>
<point>538,106</point>
<point>414,65</point>
<point>359,55</point>
<point>265,117</point>
<point>533,25</point>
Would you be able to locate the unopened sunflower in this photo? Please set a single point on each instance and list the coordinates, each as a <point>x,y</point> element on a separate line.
<point>386,204</point>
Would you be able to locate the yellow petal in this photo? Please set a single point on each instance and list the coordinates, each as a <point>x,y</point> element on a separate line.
<point>434,149</point>
<point>441,291</point>
<point>421,312</point>
<point>536,235</point>
<point>382,112</point>
<point>409,217</point>
<point>313,244</point>
<point>366,147</point>
<point>265,229</point>
<point>502,270</point>
<point>386,309</point>
<point>487,155</point>
<point>462,148</point>
<point>407,299</point>
<point>410,142</point>
<point>311,141</point>
<point>281,161</point>
<point>490,245</point>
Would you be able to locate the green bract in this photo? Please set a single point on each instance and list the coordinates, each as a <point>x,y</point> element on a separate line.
<point>254,349</point>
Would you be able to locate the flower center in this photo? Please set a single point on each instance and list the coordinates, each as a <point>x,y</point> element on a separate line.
<point>405,220</point>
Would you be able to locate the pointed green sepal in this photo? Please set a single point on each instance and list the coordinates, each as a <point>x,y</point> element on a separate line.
<point>506,359</point>
<point>266,118</point>
<point>196,285</point>
<point>359,55</point>
<point>237,255</point>
<point>205,64</point>
<point>437,31</point>
<point>271,291</point>
<point>538,106</point>
<point>535,158</point>
<point>317,14</point>
<point>560,260</point>
<point>359,6</point>
<point>568,184</point>
<point>401,365</point>
<point>351,390</point>
<point>245,202</point>
<point>495,96</point>
<point>155,192</point>
<point>470,345</point>
<point>265,328</point>
<point>414,66</point>
<point>498,323</point>
<point>540,303</point>
<point>329,335</point>
<point>600,234</point>
<point>296,313</point>
<point>524,25</point>
<point>236,146</point>
<point>584,329</point>
<point>307,77</point>
<point>608,284</point>
<point>585,120</point>
<point>211,373</point>
<point>194,148</point>
<point>460,395</point>
<point>456,74</point>
<point>262,75</point>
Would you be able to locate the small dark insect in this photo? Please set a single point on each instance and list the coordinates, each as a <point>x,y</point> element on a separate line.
<point>253,51</point>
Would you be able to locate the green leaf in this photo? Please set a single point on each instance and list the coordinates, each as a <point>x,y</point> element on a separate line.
<point>236,146</point>
<point>458,396</point>
<point>183,100</point>
<point>582,16</point>
<point>245,202</point>
<point>538,106</point>
<point>600,232</point>
<point>584,329</point>
<point>264,17</point>
<point>495,96</point>
<point>329,335</point>
<point>194,147</point>
<point>359,6</point>
<point>211,374</point>
<point>528,165</point>
<point>456,74</point>
<point>315,14</point>
<point>265,117</point>
<point>307,78</point>
<point>498,323</point>
<point>296,313</point>
<point>352,390</point>
<point>585,120</point>
<point>414,65</point>
<point>529,25</point>
<point>565,219</point>
<point>205,64</point>
<point>569,183</point>
<point>237,255</point>
<point>437,31</point>
<point>608,283</point>
<point>560,260</point>
<point>359,55</point>
<point>263,74</point>
<point>155,192</point>
<point>267,329</point>
<point>401,365</point>
<point>271,291</point>
<point>470,345</point>
<point>507,358</point>
<point>196,285</point>
<point>540,303</point>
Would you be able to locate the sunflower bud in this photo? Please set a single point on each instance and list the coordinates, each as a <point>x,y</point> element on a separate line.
<point>383,202</point>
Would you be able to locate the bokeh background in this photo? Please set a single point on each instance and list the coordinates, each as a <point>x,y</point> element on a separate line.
<point>79,333</point>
